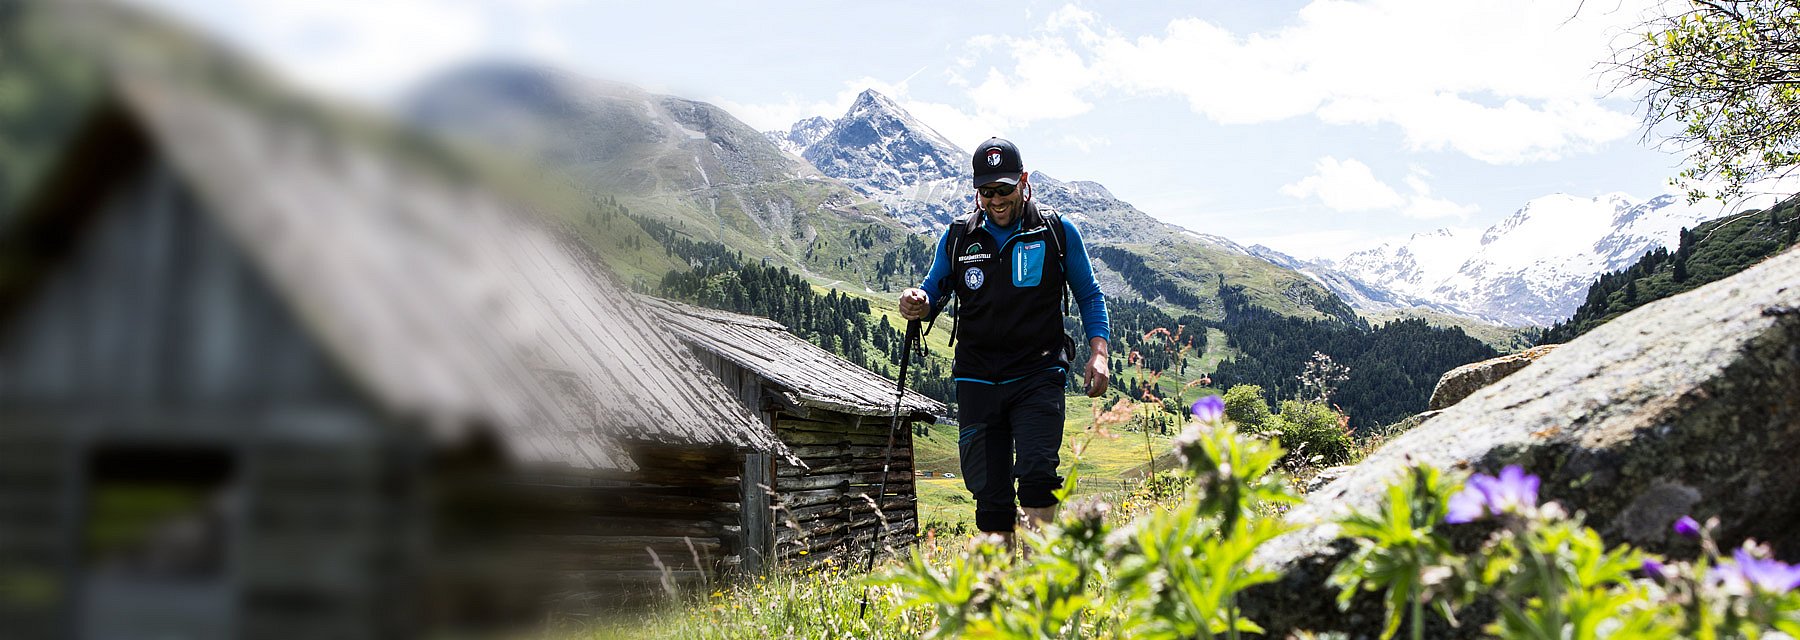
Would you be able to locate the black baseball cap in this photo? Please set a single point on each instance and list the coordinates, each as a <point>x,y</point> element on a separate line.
<point>997,160</point>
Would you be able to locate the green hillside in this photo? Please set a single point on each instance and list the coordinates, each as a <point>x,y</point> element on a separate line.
<point>1502,339</point>
<point>1707,253</point>
<point>685,163</point>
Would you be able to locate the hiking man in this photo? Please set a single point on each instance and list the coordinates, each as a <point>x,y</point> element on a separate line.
<point>1007,263</point>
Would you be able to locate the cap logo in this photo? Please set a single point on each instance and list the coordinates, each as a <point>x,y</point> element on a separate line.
<point>973,248</point>
<point>993,157</point>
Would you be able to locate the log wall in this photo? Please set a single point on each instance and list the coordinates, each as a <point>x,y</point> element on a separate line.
<point>824,509</point>
<point>589,542</point>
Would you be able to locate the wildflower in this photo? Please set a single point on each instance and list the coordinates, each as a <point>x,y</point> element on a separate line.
<point>1085,519</point>
<point>1208,409</point>
<point>1655,570</point>
<point>1687,527</point>
<point>1512,491</point>
<point>1746,569</point>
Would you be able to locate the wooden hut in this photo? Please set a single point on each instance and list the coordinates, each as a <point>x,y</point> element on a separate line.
<point>833,415</point>
<point>259,381</point>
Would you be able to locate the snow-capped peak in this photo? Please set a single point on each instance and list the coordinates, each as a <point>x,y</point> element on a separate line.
<point>1534,266</point>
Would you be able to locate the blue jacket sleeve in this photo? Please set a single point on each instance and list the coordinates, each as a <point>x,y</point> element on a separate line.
<point>1082,284</point>
<point>940,268</point>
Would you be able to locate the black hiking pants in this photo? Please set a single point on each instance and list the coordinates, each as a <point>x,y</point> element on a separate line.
<point>1026,416</point>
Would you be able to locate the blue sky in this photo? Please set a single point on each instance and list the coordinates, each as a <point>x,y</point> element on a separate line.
<point>1316,127</point>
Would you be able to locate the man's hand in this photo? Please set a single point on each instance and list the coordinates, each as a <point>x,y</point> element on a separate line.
<point>1097,375</point>
<point>914,304</point>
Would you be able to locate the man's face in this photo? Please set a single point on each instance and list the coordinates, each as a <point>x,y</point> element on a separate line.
<point>1002,209</point>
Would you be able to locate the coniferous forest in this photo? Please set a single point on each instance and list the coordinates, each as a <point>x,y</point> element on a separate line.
<point>839,323</point>
<point>1392,368</point>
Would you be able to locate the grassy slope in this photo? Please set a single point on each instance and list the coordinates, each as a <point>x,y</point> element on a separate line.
<point>1503,339</point>
<point>1103,465</point>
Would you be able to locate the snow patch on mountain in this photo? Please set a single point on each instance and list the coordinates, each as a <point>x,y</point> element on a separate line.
<point>1532,268</point>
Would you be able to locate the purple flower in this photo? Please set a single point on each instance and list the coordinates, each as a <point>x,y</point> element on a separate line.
<point>1513,490</point>
<point>1655,570</point>
<point>1687,527</point>
<point>1744,570</point>
<point>1208,409</point>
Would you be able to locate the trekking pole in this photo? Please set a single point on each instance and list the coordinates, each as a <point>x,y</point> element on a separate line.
<point>887,461</point>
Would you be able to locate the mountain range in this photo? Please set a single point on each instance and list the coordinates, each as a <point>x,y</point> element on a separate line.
<point>856,187</point>
<point>798,196</point>
<point>685,162</point>
<point>923,179</point>
<point>1531,268</point>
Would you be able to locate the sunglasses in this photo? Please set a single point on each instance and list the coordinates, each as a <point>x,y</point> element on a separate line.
<point>1002,190</point>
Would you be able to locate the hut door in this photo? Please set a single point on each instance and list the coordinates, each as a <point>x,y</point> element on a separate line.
<point>156,541</point>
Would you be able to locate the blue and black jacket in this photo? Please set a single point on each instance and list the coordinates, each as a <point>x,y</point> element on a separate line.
<point>1009,285</point>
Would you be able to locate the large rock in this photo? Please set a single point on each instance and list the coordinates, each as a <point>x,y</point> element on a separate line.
<point>1461,382</point>
<point>1690,405</point>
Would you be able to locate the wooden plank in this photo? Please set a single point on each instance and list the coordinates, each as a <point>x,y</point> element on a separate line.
<point>623,501</point>
<point>843,481</point>
<point>758,527</point>
<point>795,438</point>
<point>612,544</point>
<point>856,451</point>
<point>798,499</point>
<point>841,465</point>
<point>627,526</point>
<point>891,505</point>
<point>700,476</point>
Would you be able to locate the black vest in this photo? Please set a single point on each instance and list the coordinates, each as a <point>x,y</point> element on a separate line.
<point>1009,311</point>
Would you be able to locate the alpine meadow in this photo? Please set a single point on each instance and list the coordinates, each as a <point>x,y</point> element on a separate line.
<point>1333,319</point>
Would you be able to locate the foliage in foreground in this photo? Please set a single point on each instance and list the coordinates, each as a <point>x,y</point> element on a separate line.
<point>1178,572</point>
<point>1724,72</point>
<point>1482,555</point>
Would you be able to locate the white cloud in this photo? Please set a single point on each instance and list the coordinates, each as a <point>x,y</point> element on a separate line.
<point>778,116</point>
<point>1350,186</point>
<point>1424,207</point>
<point>1085,143</point>
<point>1345,186</point>
<point>1498,81</point>
<point>1045,82</point>
<point>1330,244</point>
<point>961,128</point>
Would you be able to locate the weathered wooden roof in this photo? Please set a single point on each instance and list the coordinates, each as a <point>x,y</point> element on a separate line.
<point>444,302</point>
<point>813,376</point>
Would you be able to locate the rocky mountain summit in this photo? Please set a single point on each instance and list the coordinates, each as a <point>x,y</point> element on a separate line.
<point>922,178</point>
<point>1686,406</point>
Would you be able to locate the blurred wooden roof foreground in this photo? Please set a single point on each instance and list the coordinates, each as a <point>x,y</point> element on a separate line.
<point>443,302</point>
<point>809,375</point>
